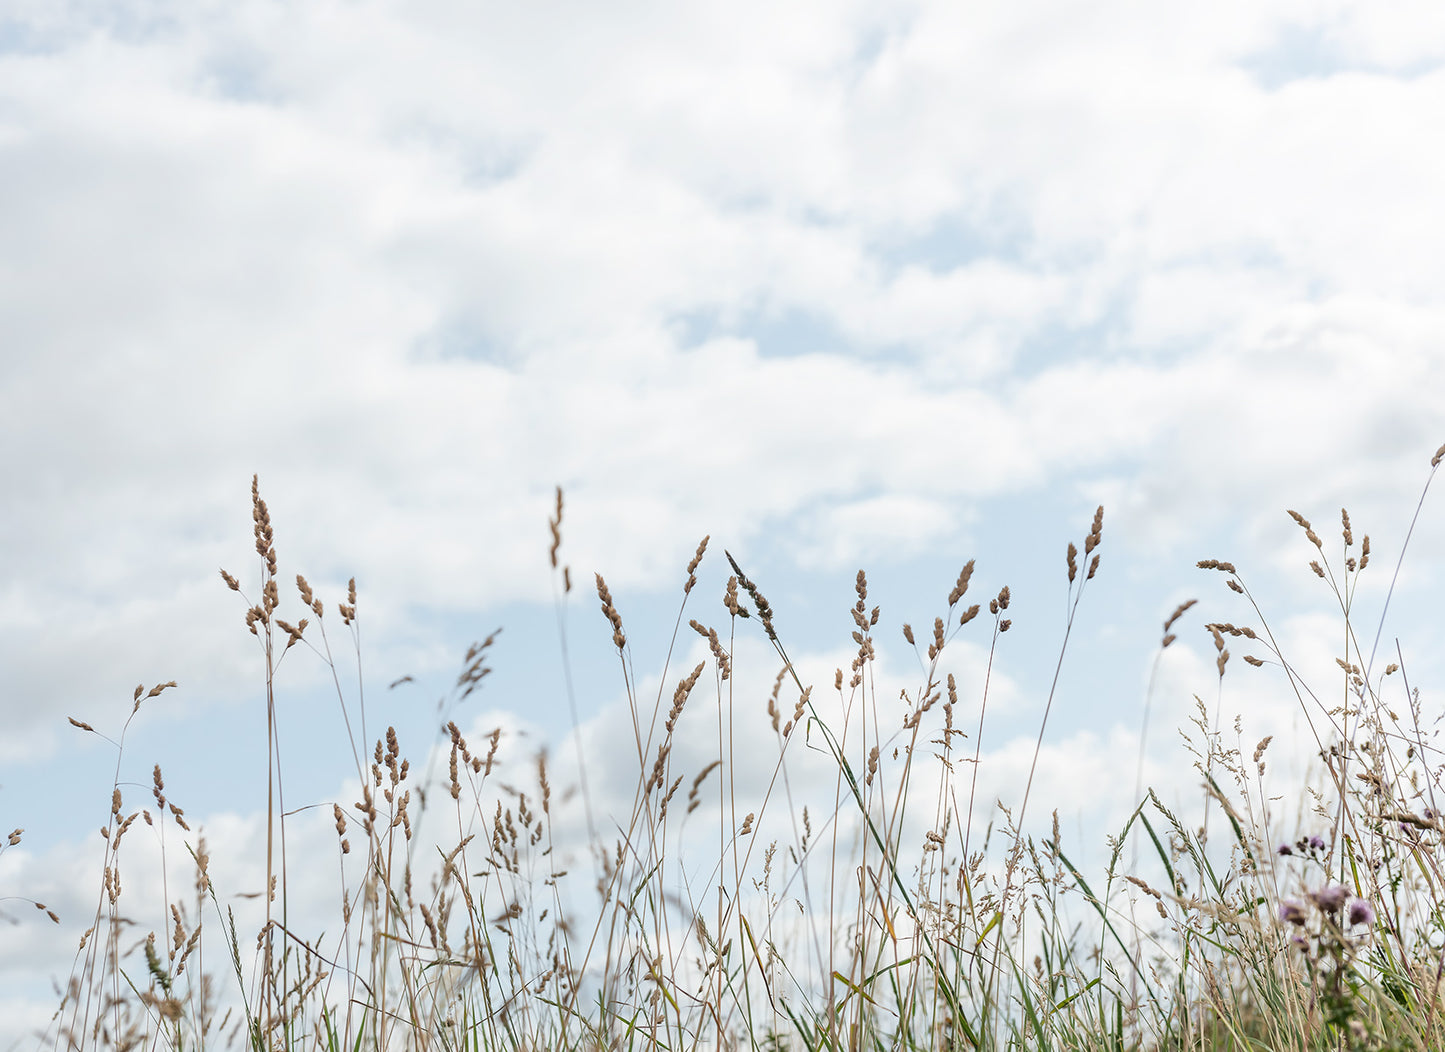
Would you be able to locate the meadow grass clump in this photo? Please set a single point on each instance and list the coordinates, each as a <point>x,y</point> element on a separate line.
<point>821,871</point>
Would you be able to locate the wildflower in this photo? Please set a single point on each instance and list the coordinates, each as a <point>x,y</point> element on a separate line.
<point>1330,899</point>
<point>1291,912</point>
<point>1361,912</point>
<point>1285,850</point>
<point>1317,843</point>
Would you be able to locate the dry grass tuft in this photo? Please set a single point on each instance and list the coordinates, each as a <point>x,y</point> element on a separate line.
<point>887,906</point>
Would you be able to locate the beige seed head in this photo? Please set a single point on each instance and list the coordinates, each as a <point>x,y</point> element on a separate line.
<point>961,586</point>
<point>936,647</point>
<point>496,737</point>
<point>658,768</point>
<point>693,565</point>
<point>555,525</point>
<point>1096,531</point>
<point>1216,564</point>
<point>662,811</point>
<point>610,612</point>
<point>680,695</point>
<point>1178,613</point>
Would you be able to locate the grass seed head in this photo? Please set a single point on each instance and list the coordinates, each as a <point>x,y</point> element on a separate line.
<point>1096,531</point>
<point>765,611</point>
<point>609,611</point>
<point>694,564</point>
<point>1216,564</point>
<point>1178,613</point>
<point>961,585</point>
<point>555,525</point>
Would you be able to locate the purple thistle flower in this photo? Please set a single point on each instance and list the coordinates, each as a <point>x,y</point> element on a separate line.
<point>1361,912</point>
<point>1331,898</point>
<point>1285,849</point>
<point>1291,912</point>
<point>1317,843</point>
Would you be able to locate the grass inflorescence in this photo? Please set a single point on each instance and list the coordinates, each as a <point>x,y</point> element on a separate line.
<point>821,871</point>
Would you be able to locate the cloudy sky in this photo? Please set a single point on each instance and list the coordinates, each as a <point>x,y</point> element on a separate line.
<point>841,285</point>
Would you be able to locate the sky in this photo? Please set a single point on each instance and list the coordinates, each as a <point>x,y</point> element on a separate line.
<point>838,285</point>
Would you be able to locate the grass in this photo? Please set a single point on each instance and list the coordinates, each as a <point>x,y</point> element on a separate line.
<point>825,875</point>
